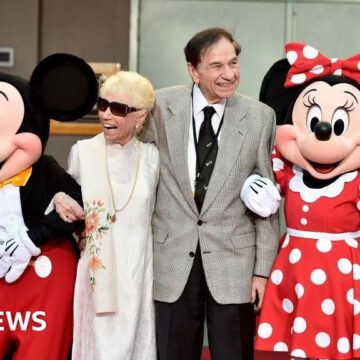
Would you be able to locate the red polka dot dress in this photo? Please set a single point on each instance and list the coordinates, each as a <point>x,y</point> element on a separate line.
<point>312,301</point>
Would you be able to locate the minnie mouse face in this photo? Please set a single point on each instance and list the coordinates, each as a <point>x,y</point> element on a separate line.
<point>318,98</point>
<point>324,137</point>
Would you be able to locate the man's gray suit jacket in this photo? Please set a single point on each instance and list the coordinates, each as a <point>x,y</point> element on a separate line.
<point>234,245</point>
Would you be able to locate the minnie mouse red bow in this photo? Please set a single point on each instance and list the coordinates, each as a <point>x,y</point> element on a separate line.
<point>307,63</point>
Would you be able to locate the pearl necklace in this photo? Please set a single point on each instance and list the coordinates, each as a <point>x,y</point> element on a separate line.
<point>134,181</point>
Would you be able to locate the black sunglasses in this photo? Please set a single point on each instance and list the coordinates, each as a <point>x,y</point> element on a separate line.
<point>116,108</point>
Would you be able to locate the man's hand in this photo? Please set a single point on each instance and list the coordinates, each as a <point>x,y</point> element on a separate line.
<point>260,195</point>
<point>68,209</point>
<point>258,291</point>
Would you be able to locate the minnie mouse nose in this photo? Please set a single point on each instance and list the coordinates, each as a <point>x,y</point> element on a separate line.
<point>323,130</point>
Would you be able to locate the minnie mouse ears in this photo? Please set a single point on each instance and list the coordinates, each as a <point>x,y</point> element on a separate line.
<point>273,92</point>
<point>67,86</point>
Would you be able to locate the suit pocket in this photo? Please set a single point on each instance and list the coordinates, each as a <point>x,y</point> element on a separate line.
<point>160,235</point>
<point>243,240</point>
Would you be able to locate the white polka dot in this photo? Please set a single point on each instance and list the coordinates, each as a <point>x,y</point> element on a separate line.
<point>278,164</point>
<point>343,345</point>
<point>322,339</point>
<point>324,245</point>
<point>328,307</point>
<point>287,306</point>
<point>295,256</point>
<point>309,52</point>
<point>318,277</point>
<point>356,272</point>
<point>303,221</point>
<point>281,346</point>
<point>298,78</point>
<point>305,208</point>
<point>299,290</point>
<point>265,330</point>
<point>317,69</point>
<point>286,241</point>
<point>344,265</point>
<point>350,296</point>
<point>277,277</point>
<point>299,325</point>
<point>358,205</point>
<point>291,56</point>
<point>299,353</point>
<point>337,72</point>
<point>334,60</point>
<point>356,309</point>
<point>356,341</point>
<point>358,65</point>
<point>352,242</point>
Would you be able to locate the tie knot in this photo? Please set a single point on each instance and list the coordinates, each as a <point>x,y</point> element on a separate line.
<point>208,113</point>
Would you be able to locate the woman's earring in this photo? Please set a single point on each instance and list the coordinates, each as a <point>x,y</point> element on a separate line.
<point>137,125</point>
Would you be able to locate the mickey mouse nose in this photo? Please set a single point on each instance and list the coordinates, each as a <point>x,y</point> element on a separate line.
<point>323,130</point>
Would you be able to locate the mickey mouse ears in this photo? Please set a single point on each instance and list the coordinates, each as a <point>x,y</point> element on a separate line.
<point>67,86</point>
<point>273,92</point>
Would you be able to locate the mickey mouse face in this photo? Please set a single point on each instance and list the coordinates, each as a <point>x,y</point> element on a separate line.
<point>61,87</point>
<point>12,110</point>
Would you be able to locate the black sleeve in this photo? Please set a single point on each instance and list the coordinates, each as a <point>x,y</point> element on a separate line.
<point>59,180</point>
<point>51,226</point>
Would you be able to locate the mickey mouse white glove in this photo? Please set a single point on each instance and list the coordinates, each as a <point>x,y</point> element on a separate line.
<point>260,195</point>
<point>16,254</point>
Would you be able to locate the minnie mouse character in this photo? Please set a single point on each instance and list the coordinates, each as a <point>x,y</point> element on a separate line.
<point>36,292</point>
<point>311,306</point>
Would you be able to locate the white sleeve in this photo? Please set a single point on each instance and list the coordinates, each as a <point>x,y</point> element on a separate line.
<point>74,163</point>
<point>73,170</point>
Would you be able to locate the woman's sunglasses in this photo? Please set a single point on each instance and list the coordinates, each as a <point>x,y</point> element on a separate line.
<point>116,108</point>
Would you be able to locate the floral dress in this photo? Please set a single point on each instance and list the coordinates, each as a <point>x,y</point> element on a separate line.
<point>312,301</point>
<point>129,333</point>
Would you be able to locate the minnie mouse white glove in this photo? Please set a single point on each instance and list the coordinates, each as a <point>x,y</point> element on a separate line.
<point>260,195</point>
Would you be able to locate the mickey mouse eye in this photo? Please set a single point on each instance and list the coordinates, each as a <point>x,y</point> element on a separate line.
<point>313,117</point>
<point>340,121</point>
<point>4,95</point>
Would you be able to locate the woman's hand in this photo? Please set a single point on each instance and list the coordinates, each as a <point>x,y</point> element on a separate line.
<point>68,209</point>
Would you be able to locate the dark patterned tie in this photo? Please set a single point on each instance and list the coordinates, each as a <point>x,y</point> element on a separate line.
<point>206,152</point>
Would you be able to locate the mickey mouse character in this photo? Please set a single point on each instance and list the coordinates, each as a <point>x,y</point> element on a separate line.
<point>36,292</point>
<point>311,306</point>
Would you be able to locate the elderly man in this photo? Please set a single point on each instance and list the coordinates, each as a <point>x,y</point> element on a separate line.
<point>211,259</point>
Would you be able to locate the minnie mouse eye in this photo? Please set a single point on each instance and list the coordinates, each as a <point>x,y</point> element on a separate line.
<point>313,117</point>
<point>340,121</point>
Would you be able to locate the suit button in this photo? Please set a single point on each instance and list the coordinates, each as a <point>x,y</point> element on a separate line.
<point>191,254</point>
<point>200,222</point>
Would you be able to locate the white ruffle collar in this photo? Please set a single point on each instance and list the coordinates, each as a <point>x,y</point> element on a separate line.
<point>310,195</point>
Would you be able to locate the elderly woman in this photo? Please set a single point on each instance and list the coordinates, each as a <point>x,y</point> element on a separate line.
<point>118,174</point>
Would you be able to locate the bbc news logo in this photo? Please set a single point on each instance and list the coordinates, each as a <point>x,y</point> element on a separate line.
<point>22,321</point>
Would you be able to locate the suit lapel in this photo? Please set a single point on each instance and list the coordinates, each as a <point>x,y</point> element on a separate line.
<point>177,127</point>
<point>233,133</point>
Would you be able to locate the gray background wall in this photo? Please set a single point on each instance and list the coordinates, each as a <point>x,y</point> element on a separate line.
<point>261,27</point>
